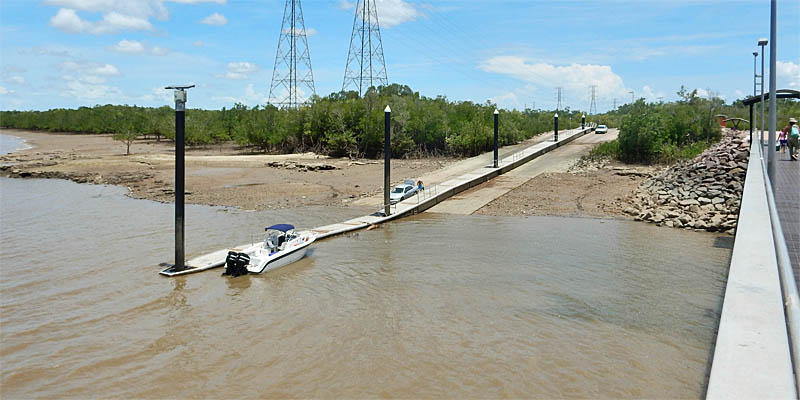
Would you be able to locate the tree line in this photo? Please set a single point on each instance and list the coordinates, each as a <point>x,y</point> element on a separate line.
<point>340,124</point>
<point>665,132</point>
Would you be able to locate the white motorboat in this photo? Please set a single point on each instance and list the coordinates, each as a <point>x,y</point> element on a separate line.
<point>281,246</point>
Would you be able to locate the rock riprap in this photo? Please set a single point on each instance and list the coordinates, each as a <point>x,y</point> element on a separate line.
<point>702,194</point>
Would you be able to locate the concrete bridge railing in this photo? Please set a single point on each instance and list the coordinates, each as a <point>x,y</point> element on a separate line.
<point>753,354</point>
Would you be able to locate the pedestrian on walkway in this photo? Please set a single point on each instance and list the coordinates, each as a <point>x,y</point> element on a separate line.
<point>782,138</point>
<point>794,134</point>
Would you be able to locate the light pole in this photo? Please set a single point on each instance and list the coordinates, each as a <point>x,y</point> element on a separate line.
<point>755,73</point>
<point>180,119</point>
<point>496,124</point>
<point>583,121</point>
<point>632,97</point>
<point>387,149</point>
<point>762,43</point>
<point>773,37</point>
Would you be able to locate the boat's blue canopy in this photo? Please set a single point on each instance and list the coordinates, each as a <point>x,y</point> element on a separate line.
<point>280,227</point>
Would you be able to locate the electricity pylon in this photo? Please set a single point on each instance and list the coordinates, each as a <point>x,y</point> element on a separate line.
<point>558,107</point>
<point>365,63</point>
<point>593,105</point>
<point>292,79</point>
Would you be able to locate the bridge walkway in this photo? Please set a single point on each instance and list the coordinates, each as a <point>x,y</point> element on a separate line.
<point>787,200</point>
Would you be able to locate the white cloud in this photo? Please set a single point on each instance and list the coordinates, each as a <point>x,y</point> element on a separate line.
<point>251,97</point>
<point>199,43</point>
<point>649,94</point>
<point>16,79</point>
<point>136,47</point>
<point>88,90</point>
<point>390,12</point>
<point>105,70</point>
<point>68,20</point>
<point>4,90</point>
<point>158,95</point>
<point>240,70</point>
<point>574,78</point>
<point>80,76</point>
<point>788,76</point>
<point>215,19</point>
<point>395,12</point>
<point>128,46</point>
<point>118,15</point>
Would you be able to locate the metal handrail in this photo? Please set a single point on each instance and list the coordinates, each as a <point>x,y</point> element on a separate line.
<point>427,193</point>
<point>791,300</point>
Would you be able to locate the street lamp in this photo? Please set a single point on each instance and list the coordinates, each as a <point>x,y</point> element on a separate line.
<point>632,97</point>
<point>755,73</point>
<point>762,42</point>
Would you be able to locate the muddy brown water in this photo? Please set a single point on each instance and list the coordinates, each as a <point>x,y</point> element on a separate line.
<point>430,306</point>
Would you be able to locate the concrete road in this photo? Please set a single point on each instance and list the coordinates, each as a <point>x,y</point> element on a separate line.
<point>457,169</point>
<point>558,160</point>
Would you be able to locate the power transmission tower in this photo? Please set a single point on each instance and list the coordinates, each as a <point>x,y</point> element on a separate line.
<point>558,107</point>
<point>292,79</point>
<point>615,103</point>
<point>365,62</point>
<point>593,106</point>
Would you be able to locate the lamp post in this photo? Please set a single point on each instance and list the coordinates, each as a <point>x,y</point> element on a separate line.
<point>755,73</point>
<point>180,119</point>
<point>762,42</point>
<point>387,149</point>
<point>555,128</point>
<point>496,123</point>
<point>583,121</point>
<point>773,48</point>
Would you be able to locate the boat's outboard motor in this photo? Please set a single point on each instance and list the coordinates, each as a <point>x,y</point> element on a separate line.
<point>236,264</point>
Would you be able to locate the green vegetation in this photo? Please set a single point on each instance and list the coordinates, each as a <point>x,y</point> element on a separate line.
<point>665,132</point>
<point>341,124</point>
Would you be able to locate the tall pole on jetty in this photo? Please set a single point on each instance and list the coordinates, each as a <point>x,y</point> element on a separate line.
<point>387,150</point>
<point>496,125</point>
<point>555,127</point>
<point>180,119</point>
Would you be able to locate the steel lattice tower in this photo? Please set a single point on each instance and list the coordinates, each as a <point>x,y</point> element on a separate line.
<point>365,63</point>
<point>593,105</point>
<point>558,107</point>
<point>292,79</point>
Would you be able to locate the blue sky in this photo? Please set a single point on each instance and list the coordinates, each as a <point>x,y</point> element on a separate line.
<point>72,53</point>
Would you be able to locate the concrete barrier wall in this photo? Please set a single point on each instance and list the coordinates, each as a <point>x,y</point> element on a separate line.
<point>751,357</point>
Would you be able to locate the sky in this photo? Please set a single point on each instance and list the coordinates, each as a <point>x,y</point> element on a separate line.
<point>513,53</point>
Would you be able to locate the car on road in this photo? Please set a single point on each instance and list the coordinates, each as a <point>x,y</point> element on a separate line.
<point>402,191</point>
<point>601,129</point>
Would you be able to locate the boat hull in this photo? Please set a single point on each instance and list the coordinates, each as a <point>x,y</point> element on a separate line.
<point>261,263</point>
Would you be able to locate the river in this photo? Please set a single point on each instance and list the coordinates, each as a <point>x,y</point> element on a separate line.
<point>429,306</point>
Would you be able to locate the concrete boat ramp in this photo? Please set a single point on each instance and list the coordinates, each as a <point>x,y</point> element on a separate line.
<point>432,195</point>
